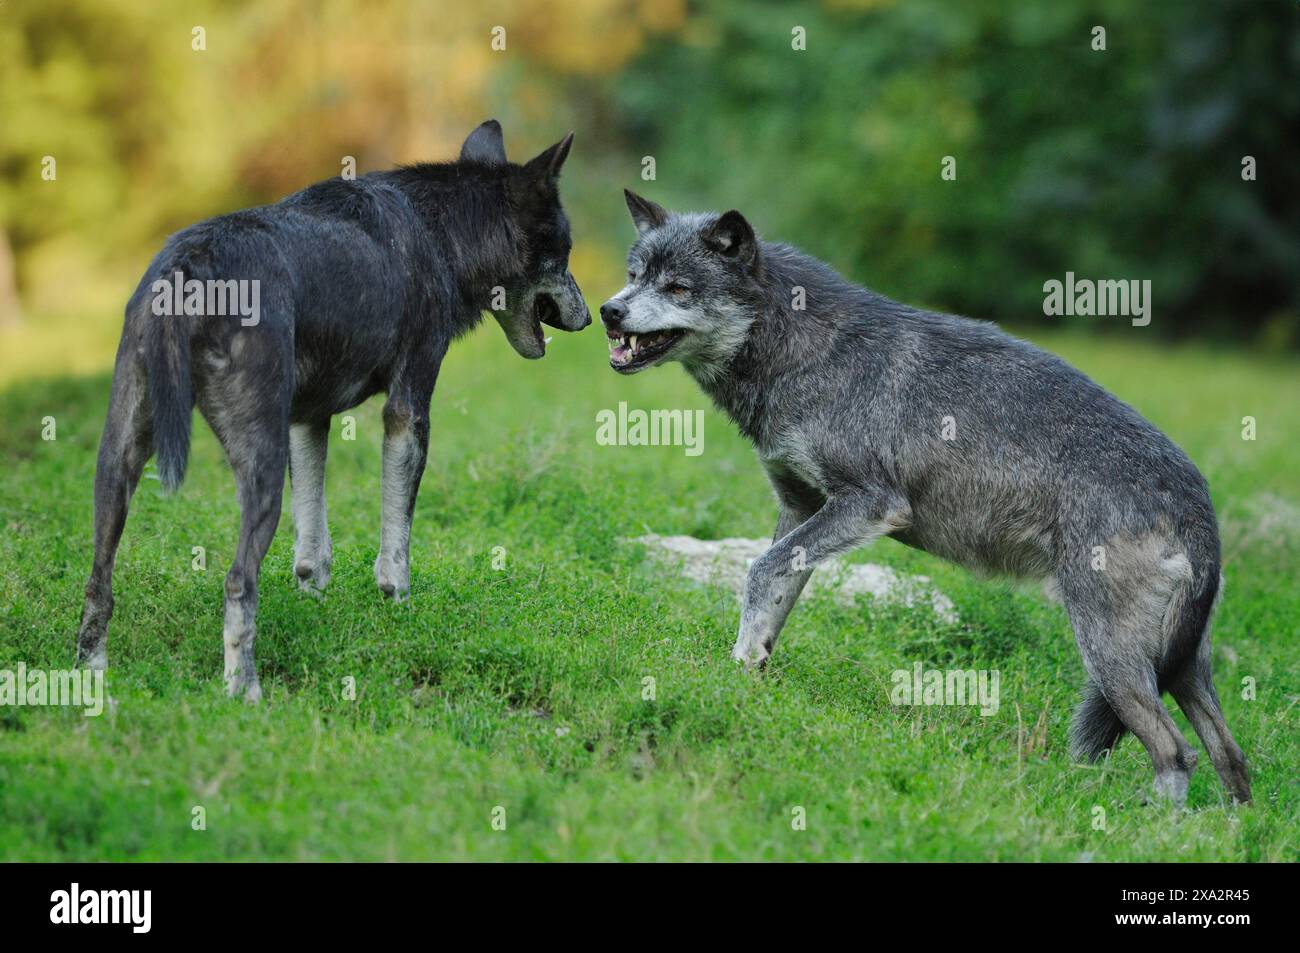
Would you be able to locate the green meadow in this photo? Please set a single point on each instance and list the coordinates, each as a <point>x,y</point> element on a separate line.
<point>553,692</point>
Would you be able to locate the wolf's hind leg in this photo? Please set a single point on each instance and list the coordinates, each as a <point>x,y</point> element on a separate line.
<point>776,578</point>
<point>313,550</point>
<point>406,447</point>
<point>1116,623</point>
<point>1132,694</point>
<point>249,411</point>
<point>124,447</point>
<point>1195,694</point>
<point>258,458</point>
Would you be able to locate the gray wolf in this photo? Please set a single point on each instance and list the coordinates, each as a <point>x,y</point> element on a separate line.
<point>872,418</point>
<point>357,286</point>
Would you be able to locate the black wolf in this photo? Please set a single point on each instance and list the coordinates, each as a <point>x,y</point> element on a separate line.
<point>873,418</point>
<point>342,290</point>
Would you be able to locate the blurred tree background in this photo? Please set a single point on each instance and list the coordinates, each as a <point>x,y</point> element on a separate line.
<point>1125,162</point>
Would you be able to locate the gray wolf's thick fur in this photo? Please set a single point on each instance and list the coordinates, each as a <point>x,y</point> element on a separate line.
<point>364,285</point>
<point>873,418</point>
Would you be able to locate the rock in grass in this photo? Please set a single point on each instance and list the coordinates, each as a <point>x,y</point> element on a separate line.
<point>724,562</point>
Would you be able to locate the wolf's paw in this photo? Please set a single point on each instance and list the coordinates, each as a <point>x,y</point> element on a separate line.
<point>313,577</point>
<point>753,655</point>
<point>248,688</point>
<point>241,678</point>
<point>94,658</point>
<point>311,565</point>
<point>1171,787</point>
<point>238,635</point>
<point>393,580</point>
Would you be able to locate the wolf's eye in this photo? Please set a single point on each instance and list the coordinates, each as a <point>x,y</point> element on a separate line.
<point>631,276</point>
<point>677,289</point>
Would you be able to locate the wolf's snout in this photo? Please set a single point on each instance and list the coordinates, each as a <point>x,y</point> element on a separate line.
<point>569,308</point>
<point>613,313</point>
<point>580,317</point>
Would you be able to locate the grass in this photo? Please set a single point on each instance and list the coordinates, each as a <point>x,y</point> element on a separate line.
<point>520,692</point>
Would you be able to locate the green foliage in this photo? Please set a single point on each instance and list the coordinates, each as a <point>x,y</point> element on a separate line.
<point>1122,163</point>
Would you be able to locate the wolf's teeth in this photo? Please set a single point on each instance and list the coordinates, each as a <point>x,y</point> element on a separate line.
<point>633,340</point>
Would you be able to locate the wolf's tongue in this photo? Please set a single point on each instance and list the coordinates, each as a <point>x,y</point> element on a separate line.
<point>621,354</point>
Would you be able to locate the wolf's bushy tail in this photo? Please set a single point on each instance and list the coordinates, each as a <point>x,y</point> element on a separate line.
<point>1187,620</point>
<point>1095,728</point>
<point>171,392</point>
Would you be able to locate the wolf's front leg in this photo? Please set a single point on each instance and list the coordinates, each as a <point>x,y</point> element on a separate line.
<point>313,551</point>
<point>779,590</point>
<point>406,446</point>
<point>777,577</point>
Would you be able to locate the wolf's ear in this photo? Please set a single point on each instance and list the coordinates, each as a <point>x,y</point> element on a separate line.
<point>732,237</point>
<point>544,169</point>
<point>485,145</point>
<point>645,214</point>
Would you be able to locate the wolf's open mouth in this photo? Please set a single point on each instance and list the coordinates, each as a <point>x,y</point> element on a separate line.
<point>546,311</point>
<point>631,352</point>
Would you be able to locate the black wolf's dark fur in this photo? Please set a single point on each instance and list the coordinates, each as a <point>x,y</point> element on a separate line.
<point>363,286</point>
<point>337,262</point>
